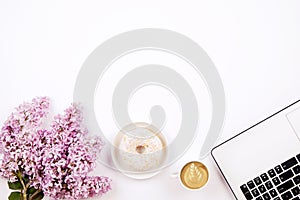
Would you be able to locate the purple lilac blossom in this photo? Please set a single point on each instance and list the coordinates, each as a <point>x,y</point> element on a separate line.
<point>58,160</point>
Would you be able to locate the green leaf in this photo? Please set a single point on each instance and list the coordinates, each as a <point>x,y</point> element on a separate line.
<point>31,190</point>
<point>26,179</point>
<point>15,185</point>
<point>15,196</point>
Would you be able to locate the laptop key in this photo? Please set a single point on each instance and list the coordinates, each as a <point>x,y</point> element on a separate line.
<point>296,198</point>
<point>264,177</point>
<point>296,191</point>
<point>271,173</point>
<point>244,188</point>
<point>277,198</point>
<point>278,169</point>
<point>257,181</point>
<point>285,186</point>
<point>259,198</point>
<point>297,179</point>
<point>251,184</point>
<point>269,185</point>
<point>255,192</point>
<point>262,188</point>
<point>289,163</point>
<point>298,157</point>
<point>276,181</point>
<point>248,195</point>
<point>273,193</point>
<point>266,196</point>
<point>286,175</point>
<point>286,196</point>
<point>296,169</point>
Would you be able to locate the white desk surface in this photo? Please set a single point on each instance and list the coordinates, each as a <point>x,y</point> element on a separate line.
<point>255,46</point>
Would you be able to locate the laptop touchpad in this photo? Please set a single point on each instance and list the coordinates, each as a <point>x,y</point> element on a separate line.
<point>294,120</point>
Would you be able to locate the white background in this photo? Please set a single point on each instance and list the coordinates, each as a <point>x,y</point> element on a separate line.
<point>255,46</point>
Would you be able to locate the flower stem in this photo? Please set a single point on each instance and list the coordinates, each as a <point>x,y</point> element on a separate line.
<point>24,193</point>
<point>34,194</point>
<point>24,190</point>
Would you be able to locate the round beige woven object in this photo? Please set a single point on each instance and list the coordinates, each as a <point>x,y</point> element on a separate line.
<point>140,150</point>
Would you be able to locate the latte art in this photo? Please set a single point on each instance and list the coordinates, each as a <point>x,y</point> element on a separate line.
<point>194,175</point>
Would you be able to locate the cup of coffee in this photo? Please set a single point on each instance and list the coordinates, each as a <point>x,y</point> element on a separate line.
<point>193,175</point>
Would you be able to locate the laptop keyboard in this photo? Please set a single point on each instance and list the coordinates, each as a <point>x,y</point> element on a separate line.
<point>280,183</point>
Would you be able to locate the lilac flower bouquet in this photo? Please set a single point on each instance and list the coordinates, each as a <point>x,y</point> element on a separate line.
<point>53,162</point>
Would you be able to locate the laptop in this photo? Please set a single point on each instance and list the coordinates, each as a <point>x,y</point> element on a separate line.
<point>263,162</point>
